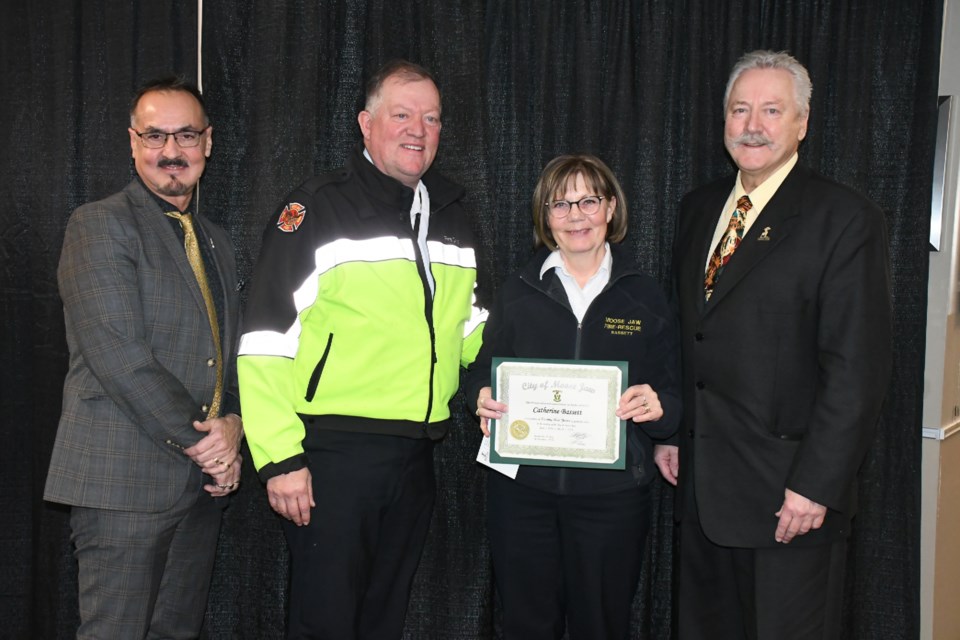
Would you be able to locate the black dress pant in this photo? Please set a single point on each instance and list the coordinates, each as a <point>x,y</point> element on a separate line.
<point>785,592</point>
<point>566,560</point>
<point>353,565</point>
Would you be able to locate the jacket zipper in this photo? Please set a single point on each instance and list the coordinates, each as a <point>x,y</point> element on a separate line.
<point>563,474</point>
<point>317,371</point>
<point>428,315</point>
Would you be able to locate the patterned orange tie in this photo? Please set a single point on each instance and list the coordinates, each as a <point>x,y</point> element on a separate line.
<point>192,248</point>
<point>727,245</point>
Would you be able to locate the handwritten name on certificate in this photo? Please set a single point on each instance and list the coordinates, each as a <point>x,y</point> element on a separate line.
<point>561,413</point>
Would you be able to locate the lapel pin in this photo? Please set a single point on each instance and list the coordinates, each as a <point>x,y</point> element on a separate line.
<point>765,236</point>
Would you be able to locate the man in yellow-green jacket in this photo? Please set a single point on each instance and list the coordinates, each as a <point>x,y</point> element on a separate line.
<point>361,314</point>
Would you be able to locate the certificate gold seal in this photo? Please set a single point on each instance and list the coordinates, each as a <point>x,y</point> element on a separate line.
<point>519,429</point>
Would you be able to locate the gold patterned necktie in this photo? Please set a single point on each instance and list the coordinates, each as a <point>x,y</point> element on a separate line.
<point>192,248</point>
<point>727,245</point>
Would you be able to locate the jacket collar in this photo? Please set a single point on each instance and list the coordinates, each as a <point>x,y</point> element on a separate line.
<point>623,265</point>
<point>776,222</point>
<point>149,211</point>
<point>166,206</point>
<point>396,194</point>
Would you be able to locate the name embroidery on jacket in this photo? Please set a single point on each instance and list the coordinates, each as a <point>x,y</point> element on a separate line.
<point>622,326</point>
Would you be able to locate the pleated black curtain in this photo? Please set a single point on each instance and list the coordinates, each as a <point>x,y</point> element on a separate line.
<point>638,83</point>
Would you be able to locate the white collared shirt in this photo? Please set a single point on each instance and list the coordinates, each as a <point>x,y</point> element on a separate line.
<point>580,299</point>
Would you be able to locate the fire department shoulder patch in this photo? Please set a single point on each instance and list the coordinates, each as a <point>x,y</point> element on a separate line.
<point>291,217</point>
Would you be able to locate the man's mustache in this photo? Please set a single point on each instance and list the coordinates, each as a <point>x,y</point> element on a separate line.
<point>172,162</point>
<point>752,139</point>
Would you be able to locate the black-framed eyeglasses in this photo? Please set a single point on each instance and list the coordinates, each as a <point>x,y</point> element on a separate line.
<point>588,206</point>
<point>158,139</point>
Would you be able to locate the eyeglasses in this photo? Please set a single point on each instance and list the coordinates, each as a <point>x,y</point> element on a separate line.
<point>588,205</point>
<point>158,139</point>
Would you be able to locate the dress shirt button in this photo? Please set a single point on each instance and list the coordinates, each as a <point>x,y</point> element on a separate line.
<point>700,384</point>
<point>205,408</point>
<point>211,362</point>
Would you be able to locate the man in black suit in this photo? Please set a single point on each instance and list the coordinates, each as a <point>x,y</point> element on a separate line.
<point>782,285</point>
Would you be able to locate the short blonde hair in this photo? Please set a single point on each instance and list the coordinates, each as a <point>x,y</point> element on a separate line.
<point>403,70</point>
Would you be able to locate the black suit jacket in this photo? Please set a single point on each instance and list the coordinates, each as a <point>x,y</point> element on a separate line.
<point>786,367</point>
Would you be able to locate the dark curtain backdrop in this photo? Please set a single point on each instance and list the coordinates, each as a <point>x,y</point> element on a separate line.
<point>638,83</point>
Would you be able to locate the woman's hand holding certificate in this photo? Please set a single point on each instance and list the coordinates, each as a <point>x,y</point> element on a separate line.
<point>560,413</point>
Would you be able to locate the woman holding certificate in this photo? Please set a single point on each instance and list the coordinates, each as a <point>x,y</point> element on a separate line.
<point>568,539</point>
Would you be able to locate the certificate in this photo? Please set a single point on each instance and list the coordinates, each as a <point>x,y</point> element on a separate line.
<point>562,413</point>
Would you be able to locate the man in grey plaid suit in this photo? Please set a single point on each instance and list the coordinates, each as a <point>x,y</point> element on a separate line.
<point>148,442</point>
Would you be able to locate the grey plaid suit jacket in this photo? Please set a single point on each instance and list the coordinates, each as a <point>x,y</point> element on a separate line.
<point>141,355</point>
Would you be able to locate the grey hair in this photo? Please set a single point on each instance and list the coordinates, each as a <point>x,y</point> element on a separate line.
<point>766,59</point>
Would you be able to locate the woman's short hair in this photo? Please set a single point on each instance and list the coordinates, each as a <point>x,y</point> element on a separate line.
<point>559,173</point>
